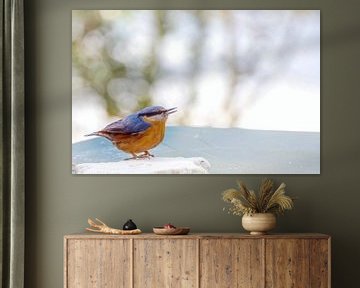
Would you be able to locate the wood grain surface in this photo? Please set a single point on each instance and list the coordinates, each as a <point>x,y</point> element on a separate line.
<point>287,263</point>
<point>165,263</point>
<point>89,235</point>
<point>98,263</point>
<point>230,263</point>
<point>197,260</point>
<point>319,263</point>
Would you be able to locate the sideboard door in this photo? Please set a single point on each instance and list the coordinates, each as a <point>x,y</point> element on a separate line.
<point>287,263</point>
<point>231,263</point>
<point>169,263</point>
<point>98,263</point>
<point>320,263</point>
<point>297,263</point>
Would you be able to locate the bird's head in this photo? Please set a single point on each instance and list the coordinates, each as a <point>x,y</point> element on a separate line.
<point>155,113</point>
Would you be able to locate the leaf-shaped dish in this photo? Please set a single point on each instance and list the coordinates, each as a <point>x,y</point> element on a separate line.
<point>171,231</point>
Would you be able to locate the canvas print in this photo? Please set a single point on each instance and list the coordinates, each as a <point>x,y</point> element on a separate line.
<point>195,92</point>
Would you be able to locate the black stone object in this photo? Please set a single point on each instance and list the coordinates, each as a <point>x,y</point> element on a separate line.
<point>129,225</point>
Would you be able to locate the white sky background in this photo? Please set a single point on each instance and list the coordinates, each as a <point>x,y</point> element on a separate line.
<point>284,93</point>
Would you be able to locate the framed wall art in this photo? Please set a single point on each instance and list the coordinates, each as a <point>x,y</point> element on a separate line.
<point>195,91</point>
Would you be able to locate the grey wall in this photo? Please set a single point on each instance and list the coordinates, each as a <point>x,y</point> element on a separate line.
<point>59,203</point>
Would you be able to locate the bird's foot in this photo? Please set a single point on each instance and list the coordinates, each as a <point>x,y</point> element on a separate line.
<point>147,153</point>
<point>131,158</point>
<point>144,156</point>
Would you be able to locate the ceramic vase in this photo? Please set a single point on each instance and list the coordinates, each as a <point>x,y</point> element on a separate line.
<point>259,223</point>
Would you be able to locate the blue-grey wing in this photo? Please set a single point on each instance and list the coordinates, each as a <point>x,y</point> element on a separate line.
<point>129,125</point>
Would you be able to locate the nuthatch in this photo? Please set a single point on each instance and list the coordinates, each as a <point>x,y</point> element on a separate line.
<point>138,132</point>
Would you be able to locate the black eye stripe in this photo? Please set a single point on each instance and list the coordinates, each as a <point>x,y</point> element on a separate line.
<point>151,113</point>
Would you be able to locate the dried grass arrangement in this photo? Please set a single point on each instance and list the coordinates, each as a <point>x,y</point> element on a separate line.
<point>268,200</point>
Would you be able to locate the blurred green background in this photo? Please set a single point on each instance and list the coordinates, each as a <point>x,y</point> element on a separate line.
<point>221,68</point>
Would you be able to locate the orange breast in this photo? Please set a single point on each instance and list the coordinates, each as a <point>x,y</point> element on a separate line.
<point>142,141</point>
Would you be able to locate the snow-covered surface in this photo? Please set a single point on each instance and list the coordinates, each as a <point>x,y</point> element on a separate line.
<point>159,165</point>
<point>228,150</point>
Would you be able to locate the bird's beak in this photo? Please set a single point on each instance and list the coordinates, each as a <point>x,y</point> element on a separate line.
<point>171,110</point>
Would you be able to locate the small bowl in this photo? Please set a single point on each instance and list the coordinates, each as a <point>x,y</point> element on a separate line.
<point>171,231</point>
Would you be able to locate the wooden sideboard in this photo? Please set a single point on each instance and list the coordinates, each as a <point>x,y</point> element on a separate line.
<point>197,260</point>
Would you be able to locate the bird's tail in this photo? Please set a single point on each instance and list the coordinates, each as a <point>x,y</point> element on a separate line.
<point>100,133</point>
<point>93,134</point>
